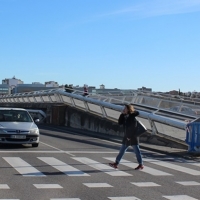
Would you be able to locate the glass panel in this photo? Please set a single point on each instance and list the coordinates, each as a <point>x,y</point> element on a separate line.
<point>171,131</point>
<point>79,103</point>
<point>26,99</point>
<point>20,99</point>
<point>66,99</point>
<point>31,99</point>
<point>112,113</point>
<point>94,108</point>
<point>45,98</point>
<point>53,98</point>
<point>38,99</point>
<point>12,100</point>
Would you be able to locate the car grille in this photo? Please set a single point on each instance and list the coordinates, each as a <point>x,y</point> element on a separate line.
<point>17,140</point>
<point>14,131</point>
<point>7,138</point>
<point>8,135</point>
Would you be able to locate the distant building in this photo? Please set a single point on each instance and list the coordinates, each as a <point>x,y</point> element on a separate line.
<point>12,82</point>
<point>173,92</point>
<point>102,86</point>
<point>5,89</point>
<point>51,84</point>
<point>145,89</point>
<point>37,83</point>
<point>29,88</point>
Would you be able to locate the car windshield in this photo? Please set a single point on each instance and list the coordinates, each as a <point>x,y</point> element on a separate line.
<point>14,116</point>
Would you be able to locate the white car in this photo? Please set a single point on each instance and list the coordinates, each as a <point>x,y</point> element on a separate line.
<point>18,127</point>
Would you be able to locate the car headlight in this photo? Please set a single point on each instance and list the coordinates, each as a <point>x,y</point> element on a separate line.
<point>34,131</point>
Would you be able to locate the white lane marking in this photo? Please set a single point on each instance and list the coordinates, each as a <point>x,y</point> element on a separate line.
<point>124,198</point>
<point>97,185</point>
<point>51,146</point>
<point>102,167</point>
<point>100,152</point>
<point>62,167</point>
<point>23,167</point>
<point>66,199</point>
<point>179,197</point>
<point>4,186</point>
<point>57,148</point>
<point>47,186</point>
<point>173,166</point>
<point>188,183</point>
<point>67,152</point>
<point>145,184</point>
<point>146,169</point>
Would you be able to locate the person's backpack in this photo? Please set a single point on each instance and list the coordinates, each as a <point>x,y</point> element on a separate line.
<point>139,129</point>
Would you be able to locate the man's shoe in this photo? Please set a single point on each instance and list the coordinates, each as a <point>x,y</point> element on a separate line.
<point>114,165</point>
<point>139,167</point>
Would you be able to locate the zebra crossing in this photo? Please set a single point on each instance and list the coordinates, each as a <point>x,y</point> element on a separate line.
<point>27,170</point>
<point>174,197</point>
<point>102,167</point>
<point>146,169</point>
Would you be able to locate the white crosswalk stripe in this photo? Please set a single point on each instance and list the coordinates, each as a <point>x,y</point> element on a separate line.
<point>4,186</point>
<point>23,167</point>
<point>173,166</point>
<point>123,198</point>
<point>62,167</point>
<point>146,169</point>
<point>179,197</point>
<point>47,186</point>
<point>66,199</point>
<point>97,185</point>
<point>145,184</point>
<point>102,167</point>
<point>187,183</point>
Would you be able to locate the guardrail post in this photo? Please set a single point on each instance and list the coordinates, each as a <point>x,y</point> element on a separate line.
<point>153,127</point>
<point>193,137</point>
<point>86,106</point>
<point>103,112</point>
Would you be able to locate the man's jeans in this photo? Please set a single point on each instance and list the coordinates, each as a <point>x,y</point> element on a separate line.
<point>136,150</point>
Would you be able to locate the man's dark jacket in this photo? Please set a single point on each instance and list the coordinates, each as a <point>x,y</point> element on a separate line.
<point>129,124</point>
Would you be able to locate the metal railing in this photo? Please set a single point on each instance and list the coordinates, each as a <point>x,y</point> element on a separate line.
<point>159,121</point>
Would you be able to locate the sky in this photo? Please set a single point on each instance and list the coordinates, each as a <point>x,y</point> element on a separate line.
<point>125,44</point>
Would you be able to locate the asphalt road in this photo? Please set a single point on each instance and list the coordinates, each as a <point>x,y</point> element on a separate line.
<point>70,166</point>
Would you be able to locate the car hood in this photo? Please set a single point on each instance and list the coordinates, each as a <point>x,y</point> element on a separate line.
<point>18,125</point>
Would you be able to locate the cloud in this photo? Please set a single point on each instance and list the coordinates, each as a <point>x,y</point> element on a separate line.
<point>152,8</point>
